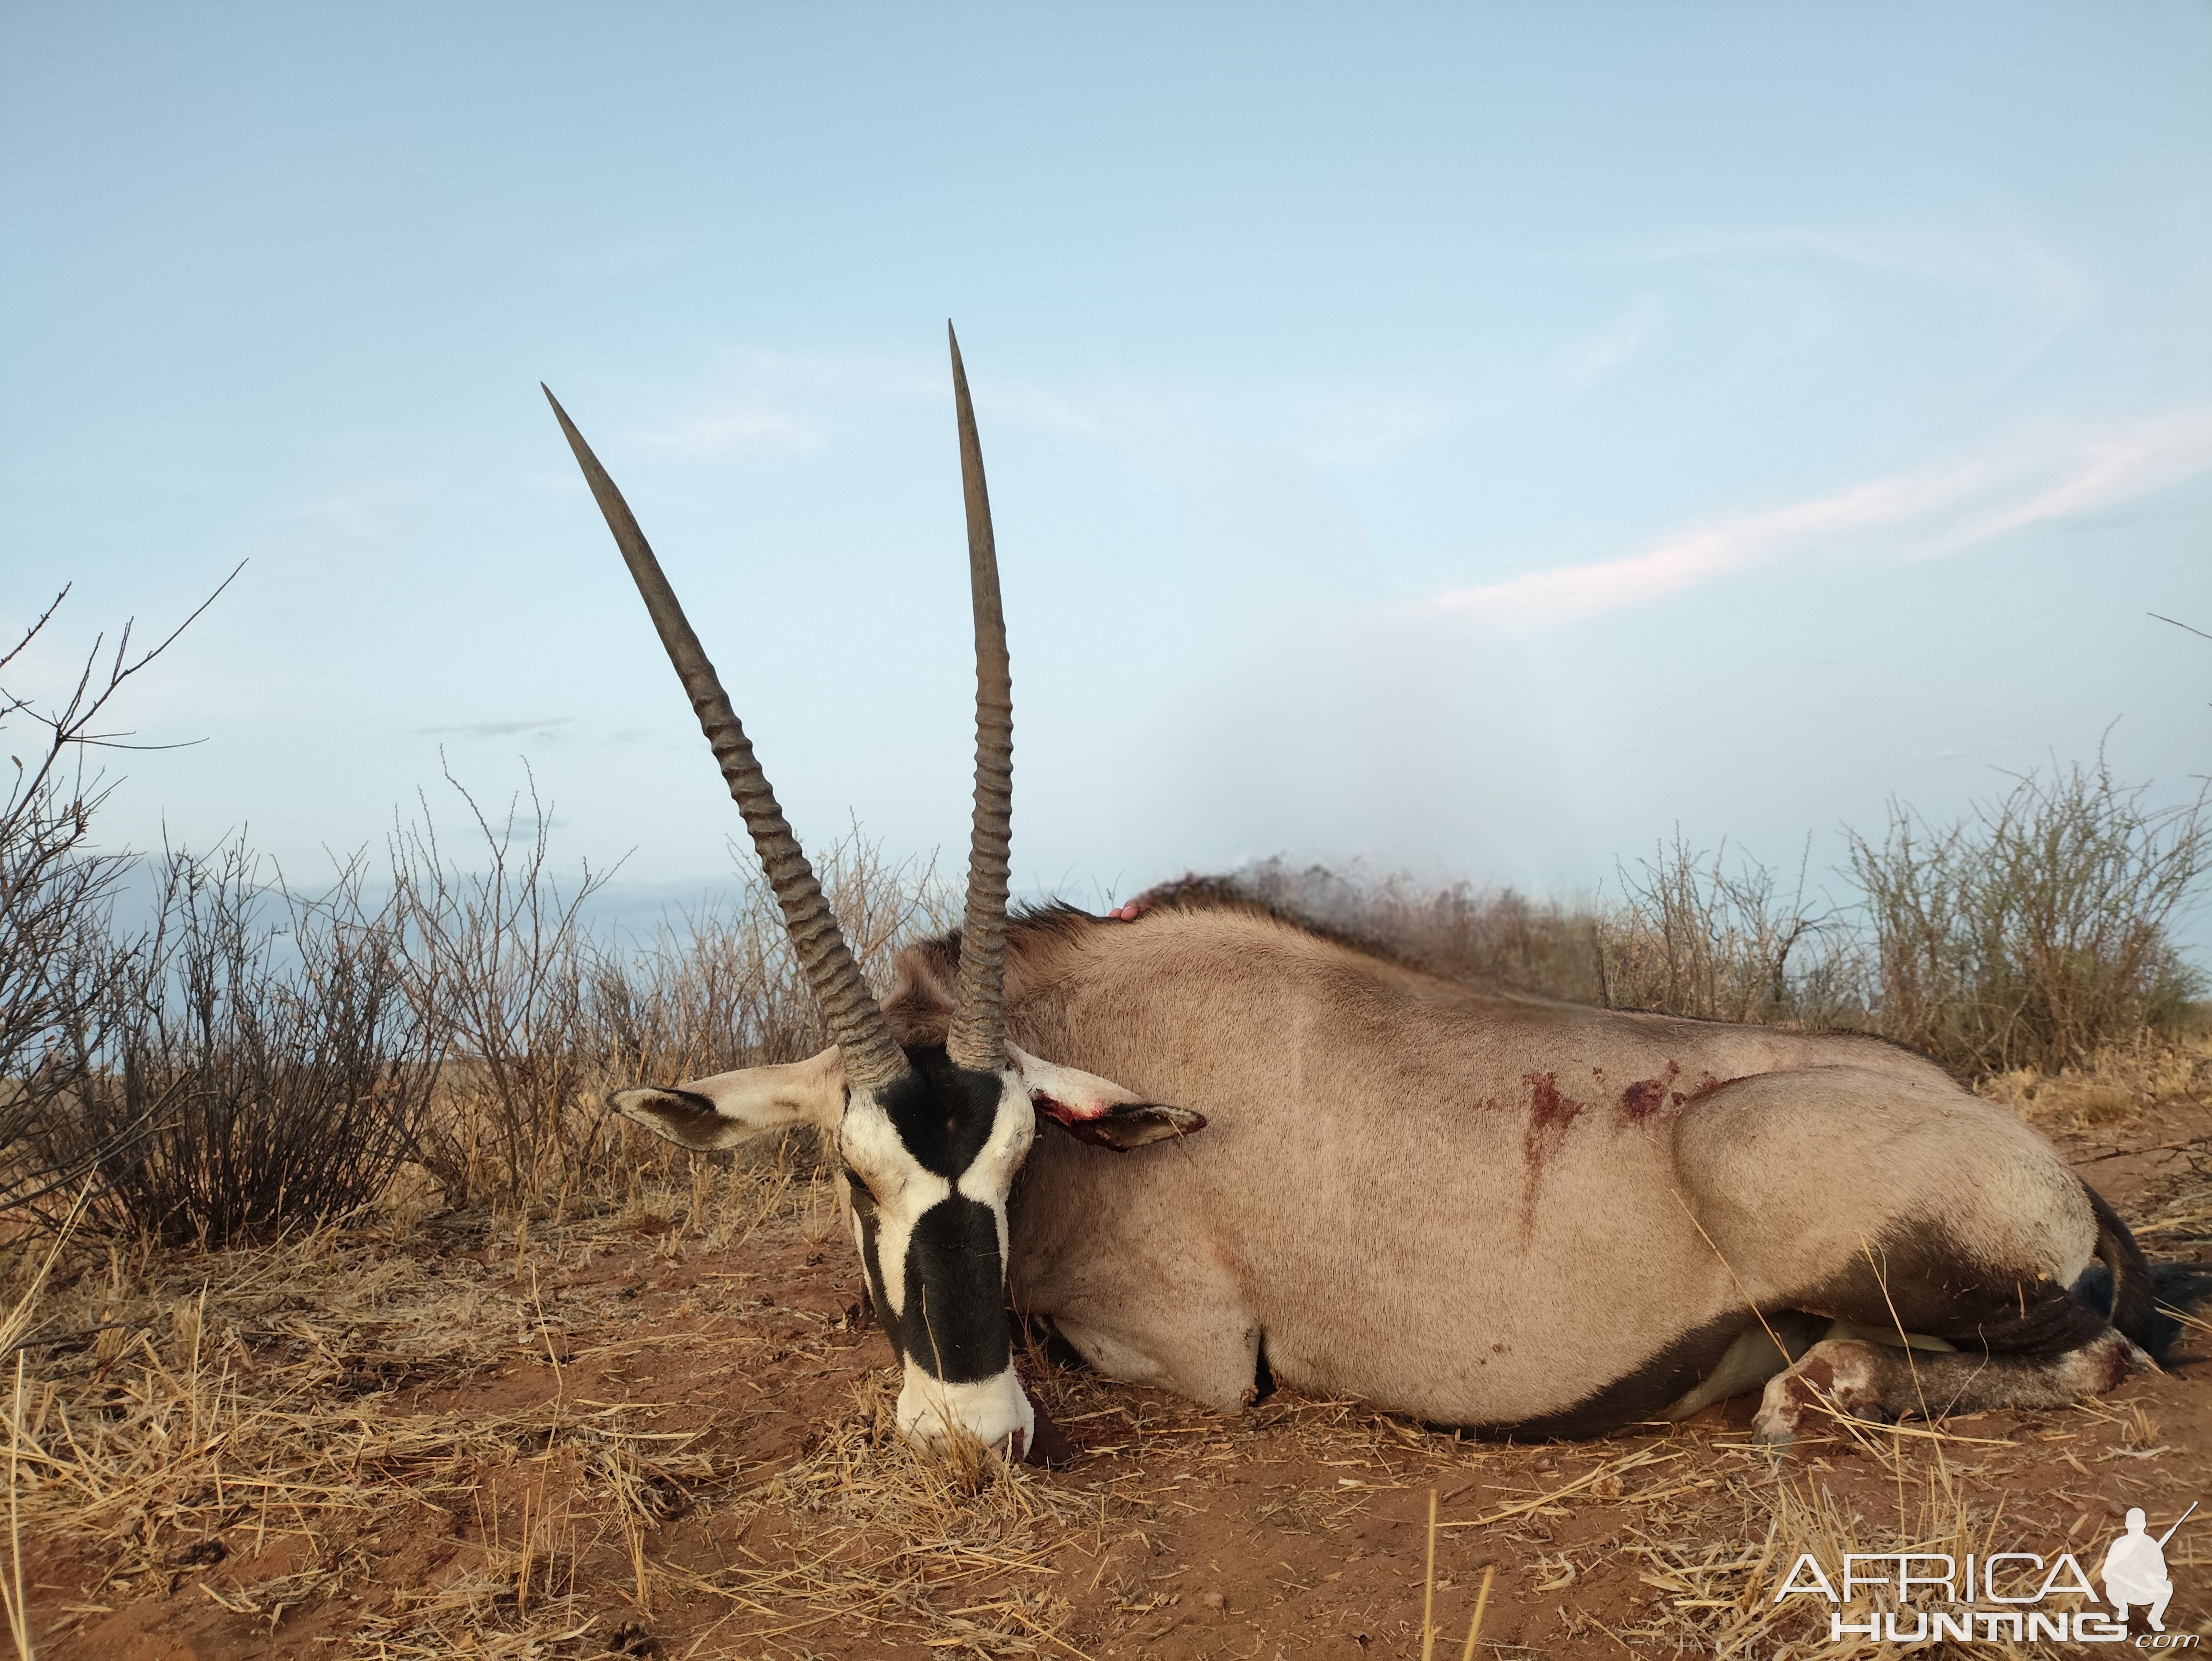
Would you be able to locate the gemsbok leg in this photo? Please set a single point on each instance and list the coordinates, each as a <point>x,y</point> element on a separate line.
<point>1839,1192</point>
<point>1867,1380</point>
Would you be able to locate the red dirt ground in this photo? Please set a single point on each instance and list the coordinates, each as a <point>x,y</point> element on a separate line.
<point>792,1525</point>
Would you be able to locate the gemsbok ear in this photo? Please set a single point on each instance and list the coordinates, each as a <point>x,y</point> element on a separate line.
<point>1097,1110</point>
<point>730,1107</point>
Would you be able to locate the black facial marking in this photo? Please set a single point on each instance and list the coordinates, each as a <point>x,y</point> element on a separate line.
<point>954,1323</point>
<point>1125,1125</point>
<point>864,1212</point>
<point>1057,1350</point>
<point>943,1113</point>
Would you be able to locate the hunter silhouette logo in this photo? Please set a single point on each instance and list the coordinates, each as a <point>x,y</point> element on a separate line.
<point>2135,1569</point>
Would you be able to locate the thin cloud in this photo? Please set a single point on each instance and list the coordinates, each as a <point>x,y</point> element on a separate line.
<point>1998,259</point>
<point>363,511</point>
<point>1988,499</point>
<point>1323,426</point>
<point>623,259</point>
<point>2041,294</point>
<point>734,429</point>
<point>1541,599</point>
<point>1583,363</point>
<point>2114,468</point>
<point>786,402</point>
<point>544,725</point>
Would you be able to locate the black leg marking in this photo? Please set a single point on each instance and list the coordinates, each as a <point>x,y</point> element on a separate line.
<point>1041,1331</point>
<point>1917,1277</point>
<point>1662,1380</point>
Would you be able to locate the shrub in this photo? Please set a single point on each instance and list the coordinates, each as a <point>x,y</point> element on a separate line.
<point>1690,938</point>
<point>539,1016</point>
<point>276,1067</point>
<point>2035,933</point>
<point>1483,936</point>
<point>497,962</point>
<point>56,888</point>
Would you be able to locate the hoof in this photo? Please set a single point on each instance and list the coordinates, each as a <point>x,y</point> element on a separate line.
<point>1776,1432</point>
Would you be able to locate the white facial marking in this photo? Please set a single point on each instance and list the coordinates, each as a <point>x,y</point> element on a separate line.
<point>1083,1095</point>
<point>990,1176</point>
<point>903,1186</point>
<point>989,1409</point>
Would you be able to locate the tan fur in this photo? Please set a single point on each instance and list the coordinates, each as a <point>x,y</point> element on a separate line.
<point>1473,1208</point>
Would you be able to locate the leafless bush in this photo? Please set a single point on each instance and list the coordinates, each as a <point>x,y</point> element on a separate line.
<point>1483,936</point>
<point>256,1063</point>
<point>719,987</point>
<point>2035,933</point>
<point>1692,937</point>
<point>540,1015</point>
<point>497,961</point>
<point>56,892</point>
<point>56,907</point>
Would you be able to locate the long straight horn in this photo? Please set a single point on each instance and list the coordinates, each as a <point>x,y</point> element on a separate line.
<point>870,1057</point>
<point>977,1037</point>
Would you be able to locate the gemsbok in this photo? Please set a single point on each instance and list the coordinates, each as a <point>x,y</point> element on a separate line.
<point>1216,1149</point>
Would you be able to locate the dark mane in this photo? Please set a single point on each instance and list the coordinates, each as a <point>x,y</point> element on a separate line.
<point>1214,893</point>
<point>1057,920</point>
<point>1050,920</point>
<point>921,1004</point>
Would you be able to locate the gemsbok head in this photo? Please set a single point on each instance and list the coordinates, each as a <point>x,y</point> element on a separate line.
<point>930,1140</point>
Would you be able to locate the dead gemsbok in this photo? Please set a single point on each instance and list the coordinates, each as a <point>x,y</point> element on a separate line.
<point>1479,1210</point>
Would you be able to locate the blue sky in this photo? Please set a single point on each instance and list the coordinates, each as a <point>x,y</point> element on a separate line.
<point>1474,441</point>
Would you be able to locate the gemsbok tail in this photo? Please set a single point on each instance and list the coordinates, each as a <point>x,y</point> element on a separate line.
<point>2130,1290</point>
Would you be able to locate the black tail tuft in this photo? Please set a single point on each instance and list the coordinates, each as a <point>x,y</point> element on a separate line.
<point>2126,1289</point>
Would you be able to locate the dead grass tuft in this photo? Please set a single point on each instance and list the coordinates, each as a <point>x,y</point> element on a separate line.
<point>2117,1083</point>
<point>263,1424</point>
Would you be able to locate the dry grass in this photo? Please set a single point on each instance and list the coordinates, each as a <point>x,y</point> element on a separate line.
<point>2114,1086</point>
<point>416,1441</point>
<point>266,1425</point>
<point>250,1422</point>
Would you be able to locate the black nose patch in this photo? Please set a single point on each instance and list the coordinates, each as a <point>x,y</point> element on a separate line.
<point>953,1321</point>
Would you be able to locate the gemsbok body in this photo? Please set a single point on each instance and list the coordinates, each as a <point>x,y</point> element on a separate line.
<point>1215,1148</point>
